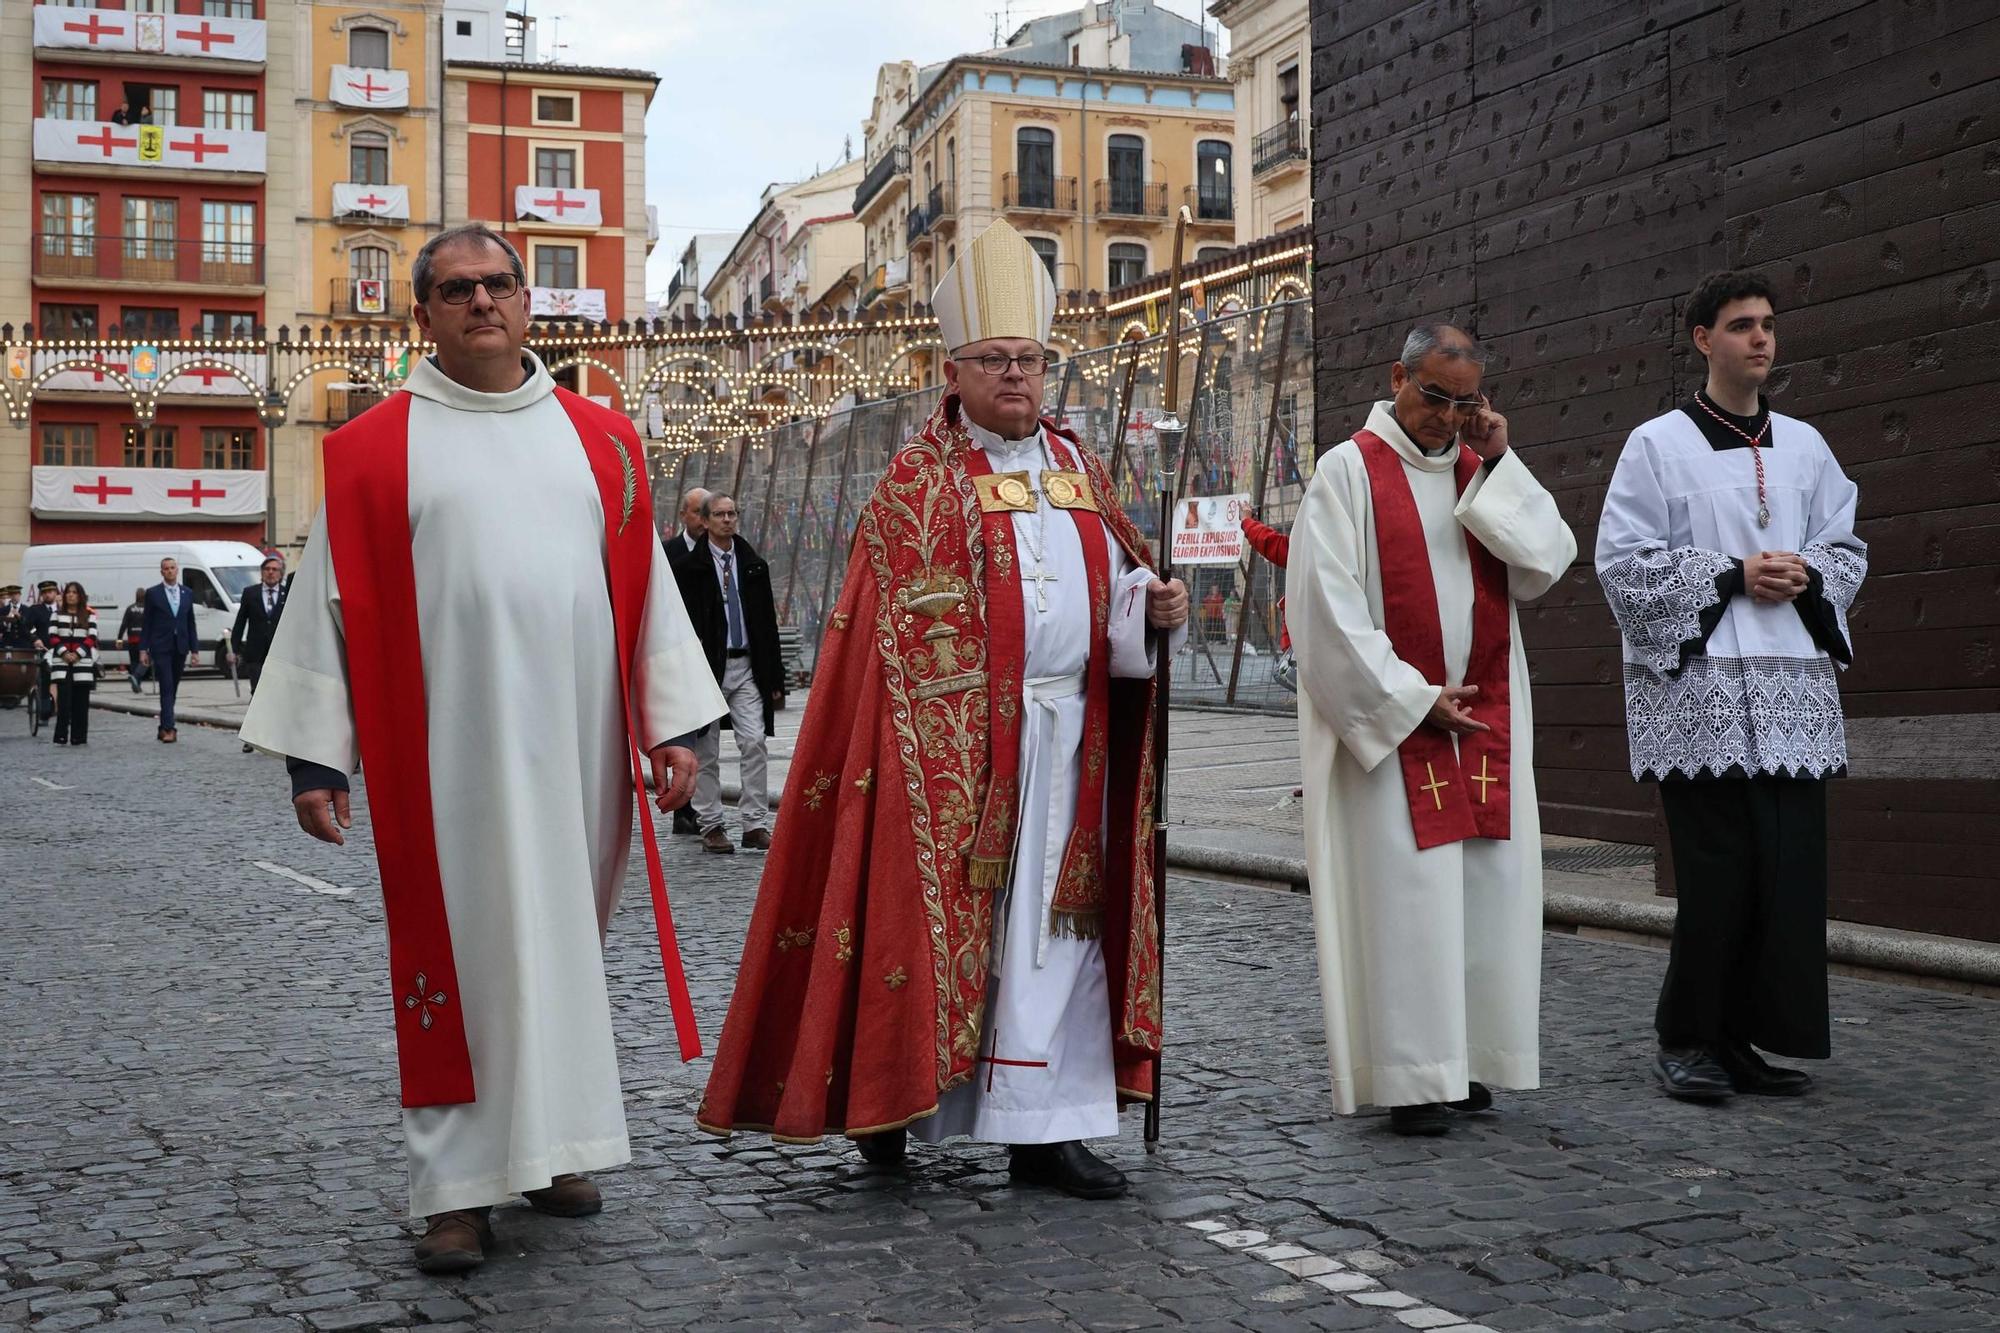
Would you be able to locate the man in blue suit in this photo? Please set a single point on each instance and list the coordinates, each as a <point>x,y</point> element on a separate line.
<point>168,643</point>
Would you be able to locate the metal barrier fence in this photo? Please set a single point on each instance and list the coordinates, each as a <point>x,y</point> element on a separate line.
<point>800,486</point>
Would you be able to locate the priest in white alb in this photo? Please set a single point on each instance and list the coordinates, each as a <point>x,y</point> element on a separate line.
<point>1415,541</point>
<point>484,621</point>
<point>955,932</point>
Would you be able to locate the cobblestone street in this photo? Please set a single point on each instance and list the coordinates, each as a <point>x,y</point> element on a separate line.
<point>201,1130</point>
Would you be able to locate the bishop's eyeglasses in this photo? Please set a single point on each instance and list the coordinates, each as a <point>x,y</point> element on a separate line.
<point>1031,363</point>
<point>457,291</point>
<point>1440,399</point>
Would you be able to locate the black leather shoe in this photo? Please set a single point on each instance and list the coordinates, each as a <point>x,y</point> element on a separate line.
<point>686,823</point>
<point>1748,1072</point>
<point>1478,1097</point>
<point>1692,1073</point>
<point>1069,1167</point>
<point>884,1149</point>
<point>1426,1120</point>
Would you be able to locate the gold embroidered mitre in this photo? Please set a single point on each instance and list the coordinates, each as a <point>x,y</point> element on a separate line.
<point>999,288</point>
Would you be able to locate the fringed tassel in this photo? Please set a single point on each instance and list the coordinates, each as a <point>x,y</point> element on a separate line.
<point>1077,925</point>
<point>987,872</point>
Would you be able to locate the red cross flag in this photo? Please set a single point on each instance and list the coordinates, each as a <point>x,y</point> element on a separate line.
<point>102,144</point>
<point>351,85</point>
<point>197,36</point>
<point>145,493</point>
<point>379,201</point>
<point>569,206</point>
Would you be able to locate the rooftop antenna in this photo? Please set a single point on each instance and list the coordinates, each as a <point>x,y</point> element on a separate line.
<point>556,44</point>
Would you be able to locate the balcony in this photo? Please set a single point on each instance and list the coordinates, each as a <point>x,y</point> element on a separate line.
<point>63,258</point>
<point>81,146</point>
<point>894,163</point>
<point>1209,205</point>
<point>360,298</point>
<point>1038,194</point>
<point>942,206</point>
<point>110,33</point>
<point>1277,147</point>
<point>344,402</point>
<point>1128,198</point>
<point>918,227</point>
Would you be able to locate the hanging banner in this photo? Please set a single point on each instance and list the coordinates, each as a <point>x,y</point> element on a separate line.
<point>378,201</point>
<point>575,208</point>
<point>1208,530</point>
<point>18,363</point>
<point>567,303</point>
<point>146,492</point>
<point>201,36</point>
<point>198,370</point>
<point>145,365</point>
<point>370,296</point>
<point>351,85</point>
<point>101,144</point>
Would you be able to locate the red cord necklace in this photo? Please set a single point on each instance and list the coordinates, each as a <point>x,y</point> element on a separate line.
<point>1756,455</point>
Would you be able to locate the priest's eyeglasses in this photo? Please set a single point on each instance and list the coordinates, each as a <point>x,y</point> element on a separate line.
<point>1031,363</point>
<point>457,291</point>
<point>1439,398</point>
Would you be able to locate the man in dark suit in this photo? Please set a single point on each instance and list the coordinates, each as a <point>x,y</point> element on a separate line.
<point>727,589</point>
<point>37,618</point>
<point>257,621</point>
<point>678,546</point>
<point>168,642</point>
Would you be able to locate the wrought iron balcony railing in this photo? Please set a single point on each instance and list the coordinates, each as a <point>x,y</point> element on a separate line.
<point>894,163</point>
<point>1277,146</point>
<point>71,257</point>
<point>1145,199</point>
<point>1039,194</point>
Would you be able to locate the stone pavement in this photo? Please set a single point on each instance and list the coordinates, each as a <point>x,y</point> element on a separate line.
<point>201,1131</point>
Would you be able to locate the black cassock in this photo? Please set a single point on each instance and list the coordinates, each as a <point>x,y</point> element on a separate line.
<point>1733,707</point>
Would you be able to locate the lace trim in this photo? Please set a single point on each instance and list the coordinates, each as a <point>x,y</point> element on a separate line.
<point>1841,569</point>
<point>1777,715</point>
<point>1658,596</point>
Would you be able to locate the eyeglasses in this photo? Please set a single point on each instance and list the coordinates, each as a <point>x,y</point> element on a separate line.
<point>994,364</point>
<point>1439,398</point>
<point>721,514</point>
<point>457,291</point>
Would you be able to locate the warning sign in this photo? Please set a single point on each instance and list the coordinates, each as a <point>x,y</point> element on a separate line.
<point>1209,530</point>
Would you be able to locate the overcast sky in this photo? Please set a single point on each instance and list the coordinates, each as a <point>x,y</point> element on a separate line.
<point>756,91</point>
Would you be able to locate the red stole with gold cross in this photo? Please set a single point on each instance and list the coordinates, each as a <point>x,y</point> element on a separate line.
<point>1077,907</point>
<point>1462,791</point>
<point>368,527</point>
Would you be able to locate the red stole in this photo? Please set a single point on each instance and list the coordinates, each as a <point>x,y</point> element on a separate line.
<point>368,526</point>
<point>1462,791</point>
<point>1078,899</point>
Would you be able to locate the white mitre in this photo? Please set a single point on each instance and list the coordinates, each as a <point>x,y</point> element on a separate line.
<point>999,288</point>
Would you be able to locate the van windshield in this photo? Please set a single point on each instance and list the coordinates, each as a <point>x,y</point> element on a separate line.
<point>234,579</point>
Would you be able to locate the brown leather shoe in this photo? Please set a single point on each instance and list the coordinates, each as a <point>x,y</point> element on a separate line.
<point>455,1243</point>
<point>717,840</point>
<point>757,839</point>
<point>567,1196</point>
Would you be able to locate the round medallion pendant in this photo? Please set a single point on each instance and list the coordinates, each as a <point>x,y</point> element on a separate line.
<point>1013,492</point>
<point>1061,490</point>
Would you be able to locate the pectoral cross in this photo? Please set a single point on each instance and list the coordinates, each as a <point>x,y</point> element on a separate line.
<point>1041,578</point>
<point>1483,777</point>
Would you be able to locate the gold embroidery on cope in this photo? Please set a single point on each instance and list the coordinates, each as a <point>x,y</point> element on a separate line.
<point>1069,490</point>
<point>1005,493</point>
<point>816,792</point>
<point>896,979</point>
<point>865,783</point>
<point>789,939</point>
<point>843,941</point>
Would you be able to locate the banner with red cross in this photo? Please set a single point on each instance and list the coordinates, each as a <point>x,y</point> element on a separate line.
<point>549,203</point>
<point>352,85</point>
<point>146,492</point>
<point>99,143</point>
<point>179,371</point>
<point>65,27</point>
<point>380,201</point>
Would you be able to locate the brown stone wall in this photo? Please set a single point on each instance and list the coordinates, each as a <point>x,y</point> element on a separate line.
<point>1559,175</point>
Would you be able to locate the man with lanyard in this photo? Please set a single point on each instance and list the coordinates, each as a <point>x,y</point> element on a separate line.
<point>1728,556</point>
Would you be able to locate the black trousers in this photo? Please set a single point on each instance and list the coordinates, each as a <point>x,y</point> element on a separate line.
<point>1749,949</point>
<point>73,711</point>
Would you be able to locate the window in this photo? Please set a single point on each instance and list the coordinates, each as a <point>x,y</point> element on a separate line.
<point>228,233</point>
<point>555,168</point>
<point>229,9</point>
<point>223,110</point>
<point>69,321</point>
<point>229,448</point>
<point>556,266</point>
<point>1127,160</point>
<point>149,446</point>
<point>68,444</point>
<point>1035,168</point>
<point>368,262</point>
<point>150,321</point>
<point>1214,188</point>
<point>203,590</point>
<point>368,48</point>
<point>69,224</point>
<point>160,105</point>
<point>465,27</point>
<point>69,99</point>
<point>1128,265</point>
<point>149,234</point>
<point>1208,252</point>
<point>368,158</point>
<point>951,161</point>
<point>555,108</point>
<point>1046,248</point>
<point>228,324</point>
<point>150,6</point>
<point>1288,93</point>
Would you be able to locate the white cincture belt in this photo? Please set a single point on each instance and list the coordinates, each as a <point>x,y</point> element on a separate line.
<point>1038,731</point>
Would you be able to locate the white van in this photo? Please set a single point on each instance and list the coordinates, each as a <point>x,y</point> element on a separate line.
<point>217,573</point>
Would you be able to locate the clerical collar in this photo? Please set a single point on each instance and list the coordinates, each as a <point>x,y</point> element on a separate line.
<point>1704,410</point>
<point>997,444</point>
